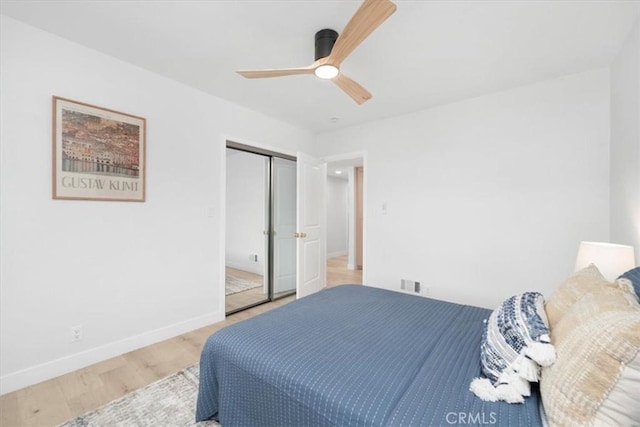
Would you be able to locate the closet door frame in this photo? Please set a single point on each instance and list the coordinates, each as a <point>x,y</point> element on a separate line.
<point>269,277</point>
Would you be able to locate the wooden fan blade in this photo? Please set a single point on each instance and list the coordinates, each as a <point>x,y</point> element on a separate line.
<point>259,74</point>
<point>352,88</point>
<point>367,18</point>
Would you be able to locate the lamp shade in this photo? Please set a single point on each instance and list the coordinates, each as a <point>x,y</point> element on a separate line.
<point>612,260</point>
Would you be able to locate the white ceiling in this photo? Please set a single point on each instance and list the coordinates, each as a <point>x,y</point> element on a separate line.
<point>428,53</point>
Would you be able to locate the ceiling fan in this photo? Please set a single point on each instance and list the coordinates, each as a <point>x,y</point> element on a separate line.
<point>331,50</point>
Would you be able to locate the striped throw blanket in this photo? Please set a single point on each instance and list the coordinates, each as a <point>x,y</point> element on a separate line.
<point>515,343</point>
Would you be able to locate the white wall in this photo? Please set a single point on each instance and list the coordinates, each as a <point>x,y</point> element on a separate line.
<point>625,143</point>
<point>337,216</point>
<point>130,273</point>
<point>489,196</point>
<point>246,210</point>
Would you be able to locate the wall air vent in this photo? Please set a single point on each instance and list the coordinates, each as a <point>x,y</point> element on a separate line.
<point>410,286</point>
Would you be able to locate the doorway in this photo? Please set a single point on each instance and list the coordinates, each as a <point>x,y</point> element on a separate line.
<point>260,251</point>
<point>345,214</point>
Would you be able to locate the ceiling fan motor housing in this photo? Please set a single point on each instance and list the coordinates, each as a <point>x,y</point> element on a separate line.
<point>325,39</point>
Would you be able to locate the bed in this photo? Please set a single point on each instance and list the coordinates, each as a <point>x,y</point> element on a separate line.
<point>353,355</point>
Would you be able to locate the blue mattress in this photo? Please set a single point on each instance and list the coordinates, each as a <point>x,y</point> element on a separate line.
<point>353,356</point>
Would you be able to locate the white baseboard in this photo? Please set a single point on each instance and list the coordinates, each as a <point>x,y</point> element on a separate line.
<point>45,371</point>
<point>335,254</point>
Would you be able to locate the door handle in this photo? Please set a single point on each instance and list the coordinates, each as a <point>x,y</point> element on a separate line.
<point>300,235</point>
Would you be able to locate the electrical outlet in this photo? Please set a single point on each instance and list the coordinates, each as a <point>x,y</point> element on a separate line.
<point>76,333</point>
<point>253,257</point>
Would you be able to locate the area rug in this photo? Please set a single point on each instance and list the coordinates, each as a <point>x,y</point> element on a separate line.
<point>168,402</point>
<point>234,284</point>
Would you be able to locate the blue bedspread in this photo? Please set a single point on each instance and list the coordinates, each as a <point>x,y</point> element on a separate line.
<point>353,356</point>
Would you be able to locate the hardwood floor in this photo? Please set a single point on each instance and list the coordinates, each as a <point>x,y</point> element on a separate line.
<point>337,273</point>
<point>59,399</point>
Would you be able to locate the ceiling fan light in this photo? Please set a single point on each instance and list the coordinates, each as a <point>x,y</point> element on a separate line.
<point>326,71</point>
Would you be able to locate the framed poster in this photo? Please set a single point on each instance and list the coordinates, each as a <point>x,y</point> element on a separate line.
<point>98,154</point>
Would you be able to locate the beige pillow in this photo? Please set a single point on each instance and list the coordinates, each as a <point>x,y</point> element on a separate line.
<point>590,306</point>
<point>595,379</point>
<point>571,290</point>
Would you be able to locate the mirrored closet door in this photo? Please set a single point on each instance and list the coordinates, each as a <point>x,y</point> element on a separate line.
<point>260,227</point>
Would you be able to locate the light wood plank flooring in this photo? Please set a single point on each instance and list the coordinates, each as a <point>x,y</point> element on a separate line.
<point>337,273</point>
<point>59,399</point>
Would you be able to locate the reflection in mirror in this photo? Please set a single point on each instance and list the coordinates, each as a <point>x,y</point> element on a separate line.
<point>247,201</point>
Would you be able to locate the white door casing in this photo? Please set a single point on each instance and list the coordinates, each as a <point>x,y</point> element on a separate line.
<point>311,225</point>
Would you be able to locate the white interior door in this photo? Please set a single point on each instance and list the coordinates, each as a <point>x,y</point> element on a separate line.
<point>311,222</point>
<point>284,225</point>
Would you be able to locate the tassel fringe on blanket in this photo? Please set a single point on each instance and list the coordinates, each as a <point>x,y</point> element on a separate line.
<point>513,385</point>
<point>542,352</point>
<point>515,344</point>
